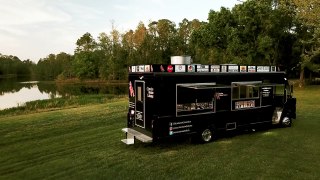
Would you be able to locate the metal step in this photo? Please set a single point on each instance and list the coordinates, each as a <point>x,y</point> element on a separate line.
<point>128,141</point>
<point>133,134</point>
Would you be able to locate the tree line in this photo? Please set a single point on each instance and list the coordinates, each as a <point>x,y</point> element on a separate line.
<point>11,66</point>
<point>257,32</point>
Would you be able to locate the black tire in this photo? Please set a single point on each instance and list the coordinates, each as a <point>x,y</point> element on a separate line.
<point>286,122</point>
<point>206,135</point>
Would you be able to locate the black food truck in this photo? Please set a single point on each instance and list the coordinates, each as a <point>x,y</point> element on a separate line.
<point>201,100</point>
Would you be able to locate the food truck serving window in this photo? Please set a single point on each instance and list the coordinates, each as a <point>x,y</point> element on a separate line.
<point>245,90</point>
<point>194,98</point>
<point>245,95</point>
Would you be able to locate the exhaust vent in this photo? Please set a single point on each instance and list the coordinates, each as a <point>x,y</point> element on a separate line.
<point>181,60</point>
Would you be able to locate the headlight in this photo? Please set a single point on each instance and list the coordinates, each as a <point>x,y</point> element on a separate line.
<point>132,112</point>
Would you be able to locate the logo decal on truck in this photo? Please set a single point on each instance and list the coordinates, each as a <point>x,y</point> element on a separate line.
<point>139,116</point>
<point>150,92</point>
<point>131,91</point>
<point>162,69</point>
<point>217,95</point>
<point>179,127</point>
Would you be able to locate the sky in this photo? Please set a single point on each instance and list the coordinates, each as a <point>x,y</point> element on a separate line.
<point>33,29</point>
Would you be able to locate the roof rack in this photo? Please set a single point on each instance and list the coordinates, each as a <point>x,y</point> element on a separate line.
<point>179,68</point>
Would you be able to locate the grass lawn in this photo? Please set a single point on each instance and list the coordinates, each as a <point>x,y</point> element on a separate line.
<point>84,143</point>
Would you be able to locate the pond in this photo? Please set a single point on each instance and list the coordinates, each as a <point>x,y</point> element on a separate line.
<point>16,92</point>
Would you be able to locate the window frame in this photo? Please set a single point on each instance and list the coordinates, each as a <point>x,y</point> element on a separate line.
<point>196,86</point>
<point>246,84</point>
<point>249,101</point>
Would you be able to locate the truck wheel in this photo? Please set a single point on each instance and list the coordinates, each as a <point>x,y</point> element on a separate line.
<point>206,135</point>
<point>286,122</point>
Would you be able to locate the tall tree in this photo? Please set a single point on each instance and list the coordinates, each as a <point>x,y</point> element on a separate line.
<point>141,44</point>
<point>85,43</point>
<point>64,62</point>
<point>182,39</point>
<point>128,47</point>
<point>251,33</point>
<point>85,64</point>
<point>162,33</point>
<point>309,30</point>
<point>105,51</point>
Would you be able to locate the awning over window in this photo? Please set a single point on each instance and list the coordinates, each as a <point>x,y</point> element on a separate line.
<point>199,85</point>
<point>247,83</point>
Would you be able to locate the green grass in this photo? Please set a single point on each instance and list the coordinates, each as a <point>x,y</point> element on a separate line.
<point>58,103</point>
<point>84,143</point>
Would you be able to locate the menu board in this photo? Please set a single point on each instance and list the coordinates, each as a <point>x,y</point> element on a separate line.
<point>244,104</point>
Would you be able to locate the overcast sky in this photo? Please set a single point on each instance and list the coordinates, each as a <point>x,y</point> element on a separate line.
<point>32,29</point>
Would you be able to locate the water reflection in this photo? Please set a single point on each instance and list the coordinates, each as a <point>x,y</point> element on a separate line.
<point>14,93</point>
<point>12,86</point>
<point>25,94</point>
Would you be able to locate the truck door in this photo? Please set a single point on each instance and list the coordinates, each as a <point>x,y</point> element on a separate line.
<point>140,104</point>
<point>267,96</point>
